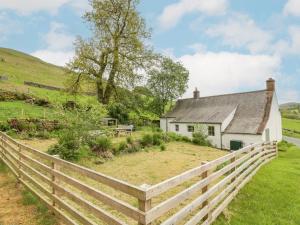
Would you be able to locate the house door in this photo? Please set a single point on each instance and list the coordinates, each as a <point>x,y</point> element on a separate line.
<point>236,145</point>
<point>268,135</point>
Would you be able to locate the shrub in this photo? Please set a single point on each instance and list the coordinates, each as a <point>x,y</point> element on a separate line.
<point>147,140</point>
<point>122,146</point>
<point>135,147</point>
<point>157,138</point>
<point>284,146</point>
<point>4,126</point>
<point>68,147</point>
<point>185,139</point>
<point>129,140</point>
<point>200,139</point>
<point>162,147</point>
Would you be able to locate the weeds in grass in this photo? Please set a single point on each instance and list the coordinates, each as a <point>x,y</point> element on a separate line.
<point>44,217</point>
<point>3,167</point>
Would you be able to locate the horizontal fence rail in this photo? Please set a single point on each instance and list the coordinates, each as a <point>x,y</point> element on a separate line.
<point>197,196</point>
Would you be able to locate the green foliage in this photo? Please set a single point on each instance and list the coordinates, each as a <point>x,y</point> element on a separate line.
<point>162,147</point>
<point>101,144</point>
<point>200,139</point>
<point>172,136</point>
<point>147,140</point>
<point>68,146</point>
<point>157,138</point>
<point>28,198</point>
<point>284,146</point>
<point>3,167</point>
<point>116,49</point>
<point>4,126</point>
<point>167,82</point>
<point>118,111</point>
<point>129,140</point>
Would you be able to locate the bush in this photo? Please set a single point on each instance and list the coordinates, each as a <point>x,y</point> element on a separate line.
<point>157,138</point>
<point>284,146</point>
<point>101,144</point>
<point>162,147</point>
<point>122,146</point>
<point>200,139</point>
<point>185,139</point>
<point>68,147</point>
<point>4,126</point>
<point>147,140</point>
<point>135,147</point>
<point>129,140</point>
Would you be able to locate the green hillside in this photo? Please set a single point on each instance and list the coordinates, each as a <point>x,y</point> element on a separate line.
<point>20,67</point>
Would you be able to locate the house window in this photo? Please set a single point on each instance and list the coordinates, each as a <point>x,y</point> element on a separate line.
<point>211,131</point>
<point>191,128</point>
<point>177,127</point>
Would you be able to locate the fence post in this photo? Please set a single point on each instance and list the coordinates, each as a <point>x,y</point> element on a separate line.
<point>53,180</point>
<point>145,205</point>
<point>204,189</point>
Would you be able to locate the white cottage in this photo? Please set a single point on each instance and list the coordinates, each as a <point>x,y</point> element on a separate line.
<point>231,121</point>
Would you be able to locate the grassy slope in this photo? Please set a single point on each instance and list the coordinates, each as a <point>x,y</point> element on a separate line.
<point>291,124</point>
<point>272,197</point>
<point>20,67</point>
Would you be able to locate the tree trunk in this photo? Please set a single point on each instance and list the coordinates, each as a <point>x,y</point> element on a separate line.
<point>99,87</point>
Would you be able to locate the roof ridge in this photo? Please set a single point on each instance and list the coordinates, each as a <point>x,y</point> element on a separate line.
<point>247,92</point>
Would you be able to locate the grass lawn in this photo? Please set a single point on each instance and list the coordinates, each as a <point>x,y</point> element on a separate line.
<point>272,197</point>
<point>291,124</point>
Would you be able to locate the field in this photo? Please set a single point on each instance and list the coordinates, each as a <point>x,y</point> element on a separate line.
<point>272,197</point>
<point>292,125</point>
<point>151,166</point>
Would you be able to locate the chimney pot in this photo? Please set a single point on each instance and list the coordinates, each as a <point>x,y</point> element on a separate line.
<point>270,84</point>
<point>196,93</point>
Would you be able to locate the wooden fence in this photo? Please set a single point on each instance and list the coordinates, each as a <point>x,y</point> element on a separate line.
<point>197,196</point>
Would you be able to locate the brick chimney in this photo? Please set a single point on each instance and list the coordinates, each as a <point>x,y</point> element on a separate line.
<point>270,85</point>
<point>196,93</point>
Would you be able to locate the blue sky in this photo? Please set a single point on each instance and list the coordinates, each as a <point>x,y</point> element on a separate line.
<point>227,45</point>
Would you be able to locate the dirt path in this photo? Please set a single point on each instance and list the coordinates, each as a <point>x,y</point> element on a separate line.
<point>12,211</point>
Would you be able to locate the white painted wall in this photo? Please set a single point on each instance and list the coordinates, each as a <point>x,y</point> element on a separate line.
<point>247,139</point>
<point>274,123</point>
<point>183,130</point>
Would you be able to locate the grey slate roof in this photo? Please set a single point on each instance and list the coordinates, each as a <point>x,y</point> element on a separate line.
<point>252,111</point>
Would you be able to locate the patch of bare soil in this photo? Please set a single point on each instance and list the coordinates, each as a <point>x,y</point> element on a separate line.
<point>12,211</point>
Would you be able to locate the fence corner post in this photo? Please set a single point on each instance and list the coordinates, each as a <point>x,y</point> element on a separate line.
<point>145,205</point>
<point>205,189</point>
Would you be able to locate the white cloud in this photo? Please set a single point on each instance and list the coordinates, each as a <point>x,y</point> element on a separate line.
<point>174,12</point>
<point>30,6</point>
<point>292,7</point>
<point>226,72</point>
<point>290,45</point>
<point>59,58</point>
<point>59,43</point>
<point>241,31</point>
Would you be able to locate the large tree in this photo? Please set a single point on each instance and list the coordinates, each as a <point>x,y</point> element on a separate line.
<point>167,82</point>
<point>116,54</point>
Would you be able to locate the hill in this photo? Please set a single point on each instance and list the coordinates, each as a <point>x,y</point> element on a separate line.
<point>19,67</point>
<point>290,105</point>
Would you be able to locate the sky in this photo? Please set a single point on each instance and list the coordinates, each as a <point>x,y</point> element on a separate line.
<point>227,45</point>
